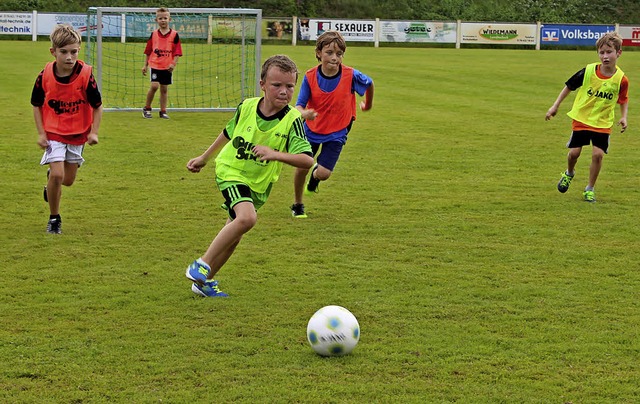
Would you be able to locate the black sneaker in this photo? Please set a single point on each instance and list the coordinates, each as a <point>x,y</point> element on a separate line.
<point>146,113</point>
<point>297,211</point>
<point>44,192</point>
<point>163,115</point>
<point>312,185</point>
<point>54,226</point>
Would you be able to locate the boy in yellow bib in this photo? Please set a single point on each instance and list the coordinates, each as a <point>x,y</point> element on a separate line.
<point>264,134</point>
<point>600,87</point>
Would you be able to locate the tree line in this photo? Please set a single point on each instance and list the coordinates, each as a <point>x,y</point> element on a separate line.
<point>549,11</point>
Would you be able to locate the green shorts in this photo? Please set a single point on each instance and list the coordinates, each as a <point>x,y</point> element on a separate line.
<point>236,192</point>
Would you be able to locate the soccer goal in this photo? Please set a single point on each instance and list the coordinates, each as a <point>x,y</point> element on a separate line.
<point>219,68</point>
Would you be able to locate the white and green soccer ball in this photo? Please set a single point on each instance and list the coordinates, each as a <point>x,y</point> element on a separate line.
<point>333,331</point>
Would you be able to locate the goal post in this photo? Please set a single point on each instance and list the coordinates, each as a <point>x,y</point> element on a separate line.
<point>220,65</point>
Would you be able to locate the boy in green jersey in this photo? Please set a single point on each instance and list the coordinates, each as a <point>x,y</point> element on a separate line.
<point>264,133</point>
<point>600,87</point>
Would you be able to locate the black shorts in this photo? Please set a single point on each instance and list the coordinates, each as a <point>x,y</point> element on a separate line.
<point>581,138</point>
<point>161,76</point>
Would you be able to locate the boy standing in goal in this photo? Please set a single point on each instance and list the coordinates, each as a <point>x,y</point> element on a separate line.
<point>67,108</point>
<point>265,133</point>
<point>600,87</point>
<point>162,53</point>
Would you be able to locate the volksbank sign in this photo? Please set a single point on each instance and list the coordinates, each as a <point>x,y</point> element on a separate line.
<point>583,35</point>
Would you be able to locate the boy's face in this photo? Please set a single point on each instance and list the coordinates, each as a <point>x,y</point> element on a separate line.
<point>66,58</point>
<point>278,87</point>
<point>608,55</point>
<point>163,18</point>
<point>331,58</point>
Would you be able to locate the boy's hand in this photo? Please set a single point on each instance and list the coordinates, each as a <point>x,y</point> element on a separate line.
<point>196,164</point>
<point>265,153</point>
<point>623,124</point>
<point>551,112</point>
<point>144,71</point>
<point>92,139</point>
<point>309,114</point>
<point>43,143</point>
<point>364,106</point>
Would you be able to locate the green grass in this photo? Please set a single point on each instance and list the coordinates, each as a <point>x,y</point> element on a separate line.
<point>472,278</point>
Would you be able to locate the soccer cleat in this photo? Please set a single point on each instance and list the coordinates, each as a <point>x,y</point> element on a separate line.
<point>54,226</point>
<point>565,181</point>
<point>312,185</point>
<point>209,289</point>
<point>146,113</point>
<point>589,196</point>
<point>164,115</point>
<point>44,192</point>
<point>198,272</point>
<point>297,211</point>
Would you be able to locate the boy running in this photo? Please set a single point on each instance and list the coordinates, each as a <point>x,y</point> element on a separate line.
<point>264,133</point>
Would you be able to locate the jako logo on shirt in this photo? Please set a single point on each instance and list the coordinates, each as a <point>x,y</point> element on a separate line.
<point>600,94</point>
<point>65,107</point>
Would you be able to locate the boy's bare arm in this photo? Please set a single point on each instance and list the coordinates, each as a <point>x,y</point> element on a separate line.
<point>195,164</point>
<point>367,104</point>
<point>297,160</point>
<point>146,65</point>
<point>42,135</point>
<point>554,108</point>
<point>624,108</point>
<point>92,138</point>
<point>172,66</point>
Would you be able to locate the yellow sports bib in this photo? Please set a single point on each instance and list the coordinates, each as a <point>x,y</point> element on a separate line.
<point>596,99</point>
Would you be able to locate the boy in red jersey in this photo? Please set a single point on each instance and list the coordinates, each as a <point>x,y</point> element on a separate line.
<point>600,87</point>
<point>67,108</point>
<point>327,102</point>
<point>162,53</point>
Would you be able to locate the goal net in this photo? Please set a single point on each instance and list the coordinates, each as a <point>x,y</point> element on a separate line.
<point>219,68</point>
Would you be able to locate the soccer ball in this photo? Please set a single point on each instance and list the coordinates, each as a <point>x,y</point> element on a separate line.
<point>333,331</point>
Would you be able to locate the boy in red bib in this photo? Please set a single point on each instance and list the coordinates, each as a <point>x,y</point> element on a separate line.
<point>327,101</point>
<point>162,53</point>
<point>67,108</point>
<point>600,87</point>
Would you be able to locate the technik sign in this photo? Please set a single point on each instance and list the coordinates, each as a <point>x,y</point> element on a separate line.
<point>583,35</point>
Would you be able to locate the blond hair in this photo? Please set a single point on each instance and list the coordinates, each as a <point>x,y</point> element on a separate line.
<point>63,35</point>
<point>282,62</point>
<point>326,38</point>
<point>612,39</point>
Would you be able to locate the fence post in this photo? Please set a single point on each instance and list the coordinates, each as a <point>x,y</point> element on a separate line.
<point>34,25</point>
<point>294,31</point>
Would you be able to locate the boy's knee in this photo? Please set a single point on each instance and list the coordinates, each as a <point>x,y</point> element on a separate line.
<point>322,174</point>
<point>67,182</point>
<point>56,177</point>
<point>246,221</point>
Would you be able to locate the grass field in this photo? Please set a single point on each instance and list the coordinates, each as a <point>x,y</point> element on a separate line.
<point>473,279</point>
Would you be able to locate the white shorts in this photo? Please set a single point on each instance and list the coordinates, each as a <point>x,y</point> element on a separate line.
<point>58,151</point>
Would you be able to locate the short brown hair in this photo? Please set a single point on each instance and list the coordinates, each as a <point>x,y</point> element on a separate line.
<point>326,38</point>
<point>612,39</point>
<point>282,62</point>
<point>63,35</point>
